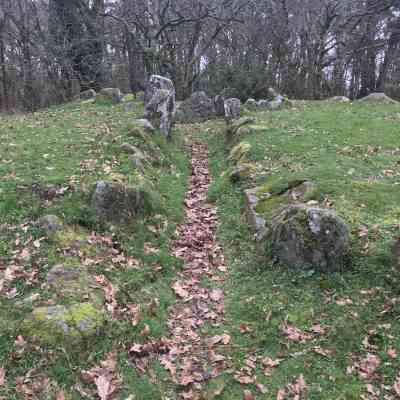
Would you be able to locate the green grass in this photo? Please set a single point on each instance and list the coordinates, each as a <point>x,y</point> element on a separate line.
<point>349,151</point>
<point>72,147</point>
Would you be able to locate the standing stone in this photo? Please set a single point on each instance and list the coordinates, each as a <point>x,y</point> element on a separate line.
<point>197,108</point>
<point>160,103</point>
<point>219,103</point>
<point>232,109</point>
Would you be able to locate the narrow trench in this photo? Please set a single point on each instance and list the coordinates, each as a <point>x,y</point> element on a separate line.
<point>194,356</point>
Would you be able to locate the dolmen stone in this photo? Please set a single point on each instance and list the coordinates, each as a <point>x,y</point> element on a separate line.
<point>160,103</point>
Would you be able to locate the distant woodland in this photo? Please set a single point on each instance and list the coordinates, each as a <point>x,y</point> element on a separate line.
<point>50,50</point>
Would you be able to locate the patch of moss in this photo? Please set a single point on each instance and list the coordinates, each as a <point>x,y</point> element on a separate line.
<point>278,186</point>
<point>69,235</point>
<point>74,285</point>
<point>63,325</point>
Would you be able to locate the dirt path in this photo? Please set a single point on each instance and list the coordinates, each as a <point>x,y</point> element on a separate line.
<point>193,358</point>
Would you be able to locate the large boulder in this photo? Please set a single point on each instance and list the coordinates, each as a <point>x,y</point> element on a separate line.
<point>306,236</point>
<point>197,108</point>
<point>232,109</point>
<point>118,203</point>
<point>378,98</point>
<point>160,103</point>
<point>112,95</point>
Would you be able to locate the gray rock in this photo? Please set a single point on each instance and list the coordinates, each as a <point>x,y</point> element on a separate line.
<point>242,172</point>
<point>117,203</point>
<point>145,124</point>
<point>251,104</point>
<point>219,104</point>
<point>130,149</point>
<point>303,236</point>
<point>257,223</point>
<point>51,224</point>
<point>301,191</point>
<point>378,98</point>
<point>197,108</point>
<point>137,163</point>
<point>288,193</point>
<point>87,94</point>
<point>232,109</point>
<point>340,99</point>
<point>160,103</point>
<point>396,254</point>
<point>62,272</point>
<point>110,94</point>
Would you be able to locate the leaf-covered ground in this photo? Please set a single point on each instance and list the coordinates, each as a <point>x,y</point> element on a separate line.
<point>201,328</point>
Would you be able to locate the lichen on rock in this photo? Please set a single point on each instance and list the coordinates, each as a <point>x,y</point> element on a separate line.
<point>303,236</point>
<point>54,325</point>
<point>239,152</point>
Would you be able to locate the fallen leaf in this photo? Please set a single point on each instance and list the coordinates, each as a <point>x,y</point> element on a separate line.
<point>392,353</point>
<point>61,395</point>
<point>2,376</point>
<point>261,388</point>
<point>179,290</point>
<point>104,387</point>
<point>216,295</point>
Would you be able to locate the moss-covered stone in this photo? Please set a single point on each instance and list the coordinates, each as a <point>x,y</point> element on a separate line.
<point>118,203</point>
<point>63,325</point>
<point>239,152</point>
<point>242,172</point>
<point>72,283</point>
<point>302,236</point>
<point>263,202</point>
